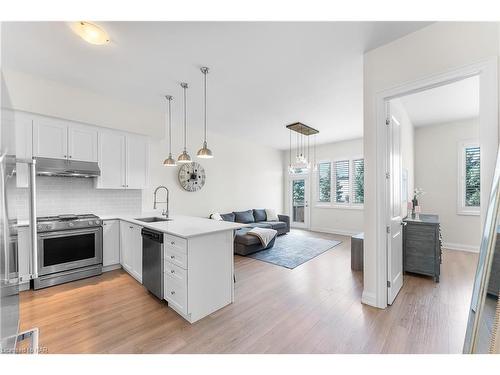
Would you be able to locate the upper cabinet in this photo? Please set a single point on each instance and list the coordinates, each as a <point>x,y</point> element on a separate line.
<point>58,139</point>
<point>123,160</point>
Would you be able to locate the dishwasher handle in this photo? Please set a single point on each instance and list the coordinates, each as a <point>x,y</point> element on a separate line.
<point>152,235</point>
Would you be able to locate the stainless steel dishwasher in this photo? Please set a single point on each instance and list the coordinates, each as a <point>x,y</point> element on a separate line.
<point>152,261</point>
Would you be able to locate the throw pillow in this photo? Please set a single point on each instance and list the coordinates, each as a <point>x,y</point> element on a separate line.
<point>271,215</point>
<point>244,217</point>
<point>227,217</point>
<point>259,214</point>
<point>216,216</point>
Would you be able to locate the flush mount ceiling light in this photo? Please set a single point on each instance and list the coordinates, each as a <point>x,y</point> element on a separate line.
<point>205,152</point>
<point>91,33</point>
<point>170,161</point>
<point>184,157</point>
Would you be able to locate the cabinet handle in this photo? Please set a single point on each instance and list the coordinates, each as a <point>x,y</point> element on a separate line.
<point>172,256</point>
<point>70,156</point>
<point>172,292</point>
<point>65,156</point>
<point>172,243</point>
<point>131,227</point>
<point>172,271</point>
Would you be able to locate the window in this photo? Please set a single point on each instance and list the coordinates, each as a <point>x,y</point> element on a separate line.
<point>358,189</point>
<point>324,182</point>
<point>342,181</point>
<point>470,179</point>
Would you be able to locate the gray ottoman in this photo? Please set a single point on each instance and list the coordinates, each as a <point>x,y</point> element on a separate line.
<point>245,244</point>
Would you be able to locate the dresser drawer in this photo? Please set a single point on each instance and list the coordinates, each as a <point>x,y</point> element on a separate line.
<point>172,242</point>
<point>176,257</point>
<point>175,272</point>
<point>176,294</point>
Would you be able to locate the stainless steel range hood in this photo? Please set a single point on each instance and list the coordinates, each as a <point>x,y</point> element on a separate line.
<point>66,168</point>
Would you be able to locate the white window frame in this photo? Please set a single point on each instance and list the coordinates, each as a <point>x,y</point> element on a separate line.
<point>462,209</point>
<point>332,203</point>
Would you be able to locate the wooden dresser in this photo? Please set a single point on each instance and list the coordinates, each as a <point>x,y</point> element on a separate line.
<point>422,246</point>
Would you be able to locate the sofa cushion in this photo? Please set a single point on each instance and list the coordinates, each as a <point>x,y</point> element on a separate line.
<point>228,217</point>
<point>260,214</point>
<point>271,215</point>
<point>245,239</point>
<point>244,217</point>
<point>275,224</point>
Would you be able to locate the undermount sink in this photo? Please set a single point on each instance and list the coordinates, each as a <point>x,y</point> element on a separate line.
<point>152,219</point>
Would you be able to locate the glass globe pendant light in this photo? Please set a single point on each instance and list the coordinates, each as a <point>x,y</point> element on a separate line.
<point>205,152</point>
<point>170,161</point>
<point>184,156</point>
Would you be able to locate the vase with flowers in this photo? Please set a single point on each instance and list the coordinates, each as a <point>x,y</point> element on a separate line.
<point>417,193</point>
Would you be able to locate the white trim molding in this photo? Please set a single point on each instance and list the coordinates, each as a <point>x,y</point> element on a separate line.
<point>460,247</point>
<point>462,209</point>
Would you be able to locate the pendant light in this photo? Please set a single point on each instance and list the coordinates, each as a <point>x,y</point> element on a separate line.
<point>205,152</point>
<point>184,156</point>
<point>170,161</point>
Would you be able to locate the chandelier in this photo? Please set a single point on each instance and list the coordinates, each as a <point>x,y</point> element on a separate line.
<point>301,161</point>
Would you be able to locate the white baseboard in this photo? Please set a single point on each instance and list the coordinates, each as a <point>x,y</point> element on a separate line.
<point>369,299</point>
<point>341,232</point>
<point>460,247</point>
<point>111,267</point>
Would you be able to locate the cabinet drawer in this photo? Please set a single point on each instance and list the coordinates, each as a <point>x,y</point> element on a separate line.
<point>176,257</point>
<point>176,294</point>
<point>175,272</point>
<point>180,244</point>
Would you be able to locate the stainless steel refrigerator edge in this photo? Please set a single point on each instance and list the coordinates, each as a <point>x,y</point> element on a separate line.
<point>9,277</point>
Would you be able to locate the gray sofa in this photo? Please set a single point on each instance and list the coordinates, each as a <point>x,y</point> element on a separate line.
<point>244,243</point>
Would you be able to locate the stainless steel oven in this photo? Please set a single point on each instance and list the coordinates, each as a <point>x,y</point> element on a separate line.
<point>68,249</point>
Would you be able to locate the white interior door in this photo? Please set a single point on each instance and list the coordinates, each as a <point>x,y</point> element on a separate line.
<point>395,228</point>
<point>299,201</point>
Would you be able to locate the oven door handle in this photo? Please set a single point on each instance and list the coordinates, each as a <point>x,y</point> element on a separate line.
<point>69,233</point>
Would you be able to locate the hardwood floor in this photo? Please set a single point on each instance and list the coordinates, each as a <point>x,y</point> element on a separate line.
<point>314,308</point>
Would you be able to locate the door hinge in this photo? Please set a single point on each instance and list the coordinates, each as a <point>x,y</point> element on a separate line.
<point>388,229</point>
<point>388,284</point>
<point>387,175</point>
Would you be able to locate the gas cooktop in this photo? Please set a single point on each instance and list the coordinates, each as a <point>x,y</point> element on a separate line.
<point>67,222</point>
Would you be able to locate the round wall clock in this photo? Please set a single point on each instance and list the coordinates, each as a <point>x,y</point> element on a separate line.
<point>192,176</point>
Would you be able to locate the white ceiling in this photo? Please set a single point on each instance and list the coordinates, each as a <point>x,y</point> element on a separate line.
<point>263,75</point>
<point>452,102</point>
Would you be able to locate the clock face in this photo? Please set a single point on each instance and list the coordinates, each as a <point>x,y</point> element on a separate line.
<point>192,176</point>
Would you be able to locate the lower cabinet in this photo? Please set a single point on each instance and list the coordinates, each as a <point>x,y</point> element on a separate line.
<point>198,274</point>
<point>131,249</point>
<point>24,254</point>
<point>110,243</point>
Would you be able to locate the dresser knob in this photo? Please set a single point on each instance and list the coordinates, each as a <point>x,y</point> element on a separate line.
<point>172,271</point>
<point>172,292</point>
<point>172,243</point>
<point>172,256</point>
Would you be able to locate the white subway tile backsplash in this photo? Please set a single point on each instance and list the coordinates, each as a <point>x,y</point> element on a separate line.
<point>72,195</point>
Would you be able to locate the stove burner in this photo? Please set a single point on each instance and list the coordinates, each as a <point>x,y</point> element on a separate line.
<point>67,222</point>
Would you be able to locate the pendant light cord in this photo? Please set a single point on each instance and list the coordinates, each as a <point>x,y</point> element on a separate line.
<point>170,125</point>
<point>205,101</point>
<point>185,116</point>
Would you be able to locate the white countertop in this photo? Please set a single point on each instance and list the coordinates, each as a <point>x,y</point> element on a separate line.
<point>181,226</point>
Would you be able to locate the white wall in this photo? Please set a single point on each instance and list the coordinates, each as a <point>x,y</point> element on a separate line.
<point>435,49</point>
<point>437,173</point>
<point>344,221</point>
<point>242,175</point>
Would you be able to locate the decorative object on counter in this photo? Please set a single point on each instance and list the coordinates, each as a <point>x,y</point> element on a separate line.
<point>192,176</point>
<point>418,210</point>
<point>205,152</point>
<point>216,216</point>
<point>170,161</point>
<point>418,192</point>
<point>184,156</point>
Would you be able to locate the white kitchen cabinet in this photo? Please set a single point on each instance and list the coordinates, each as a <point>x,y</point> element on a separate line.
<point>82,143</point>
<point>123,160</point>
<point>50,138</point>
<point>137,161</point>
<point>131,249</point>
<point>110,243</point>
<point>111,160</point>
<point>58,139</point>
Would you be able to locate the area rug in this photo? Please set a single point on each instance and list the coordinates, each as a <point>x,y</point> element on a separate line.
<point>291,250</point>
